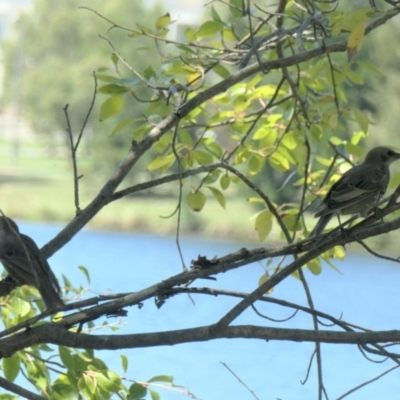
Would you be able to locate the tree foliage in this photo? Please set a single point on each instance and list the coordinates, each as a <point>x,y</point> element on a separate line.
<point>44,71</point>
<point>252,93</point>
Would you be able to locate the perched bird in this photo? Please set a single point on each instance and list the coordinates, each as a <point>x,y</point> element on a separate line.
<point>24,262</point>
<point>358,190</point>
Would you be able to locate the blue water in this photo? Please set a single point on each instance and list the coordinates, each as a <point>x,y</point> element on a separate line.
<point>365,292</point>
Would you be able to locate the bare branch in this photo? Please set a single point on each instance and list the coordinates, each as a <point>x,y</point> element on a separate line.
<point>240,381</point>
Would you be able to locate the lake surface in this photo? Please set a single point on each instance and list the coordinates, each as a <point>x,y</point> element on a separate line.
<point>366,292</point>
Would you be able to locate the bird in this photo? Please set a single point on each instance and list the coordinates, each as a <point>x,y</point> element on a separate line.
<point>358,190</point>
<point>25,263</point>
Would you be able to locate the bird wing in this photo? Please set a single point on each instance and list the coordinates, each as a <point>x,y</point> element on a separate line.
<point>14,260</point>
<point>22,259</point>
<point>43,270</point>
<point>24,262</point>
<point>353,187</point>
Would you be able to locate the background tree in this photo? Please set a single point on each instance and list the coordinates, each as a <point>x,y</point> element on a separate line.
<point>57,69</point>
<point>259,86</point>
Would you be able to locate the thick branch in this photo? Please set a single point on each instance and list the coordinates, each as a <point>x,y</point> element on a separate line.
<point>56,334</point>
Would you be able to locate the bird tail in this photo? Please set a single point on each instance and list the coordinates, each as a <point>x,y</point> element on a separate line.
<point>50,297</point>
<point>48,286</point>
<point>321,224</point>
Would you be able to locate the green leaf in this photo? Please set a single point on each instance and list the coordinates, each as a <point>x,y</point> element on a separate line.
<point>332,265</point>
<point>237,8</point>
<point>357,136</point>
<point>196,200</point>
<point>292,221</point>
<point>262,132</point>
<point>202,157</point>
<point>290,140</point>
<point>64,390</point>
<point>264,278</point>
<point>209,28</point>
<point>315,266</point>
<point>66,358</point>
<point>361,119</point>
<point>67,282</point>
<point>263,224</point>
<point>324,161</point>
<point>149,72</point>
<point>111,107</point>
<point>337,141</point>
<point>241,102</point>
<point>161,378</point>
<point>227,34</point>
<point>154,395</point>
<point>85,272</point>
<point>214,15</point>
<point>106,384</point>
<point>190,34</point>
<point>124,361</point>
<point>145,29</point>
<point>163,21</point>
<point>212,177</point>
<point>221,71</point>
<point>355,40</point>
<point>19,307</point>
<point>161,162</point>
<point>356,17</point>
<point>87,386</point>
<point>37,373</point>
<point>112,88</point>
<point>213,148</point>
<point>105,78</point>
<point>255,164</point>
<point>279,162</point>
<point>218,195</point>
<point>137,392</point>
<point>370,67</point>
<point>316,132</point>
<point>123,124</point>
<point>354,77</point>
<point>114,59</point>
<point>339,253</point>
<point>185,137</point>
<point>225,182</point>
<point>11,367</point>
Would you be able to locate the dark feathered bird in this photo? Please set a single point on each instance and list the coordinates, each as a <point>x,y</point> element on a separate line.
<point>24,262</point>
<point>359,189</point>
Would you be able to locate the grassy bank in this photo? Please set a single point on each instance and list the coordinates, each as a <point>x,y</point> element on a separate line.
<point>37,186</point>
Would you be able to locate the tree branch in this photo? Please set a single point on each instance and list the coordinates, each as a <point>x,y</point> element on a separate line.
<point>58,335</point>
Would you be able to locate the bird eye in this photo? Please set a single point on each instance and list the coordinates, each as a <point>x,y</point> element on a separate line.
<point>390,153</point>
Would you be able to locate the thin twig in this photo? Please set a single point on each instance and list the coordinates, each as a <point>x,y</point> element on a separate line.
<point>367,382</point>
<point>179,205</point>
<point>74,147</point>
<point>240,381</point>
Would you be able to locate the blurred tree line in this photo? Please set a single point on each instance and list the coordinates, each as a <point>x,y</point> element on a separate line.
<point>59,47</point>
